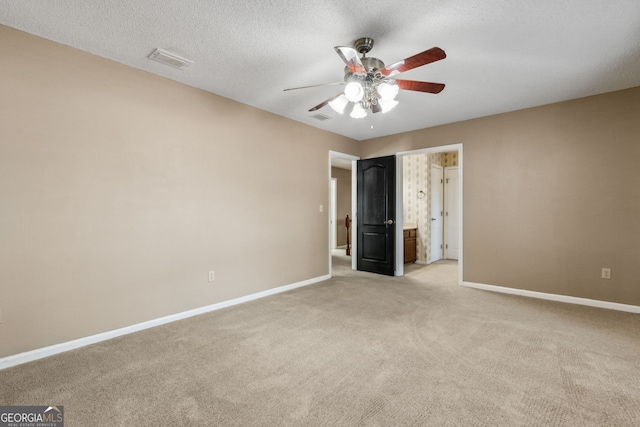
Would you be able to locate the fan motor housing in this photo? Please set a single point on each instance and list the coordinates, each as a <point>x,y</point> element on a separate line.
<point>372,64</point>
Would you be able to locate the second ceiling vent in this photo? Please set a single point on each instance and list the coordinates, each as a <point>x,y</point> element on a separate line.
<point>170,59</point>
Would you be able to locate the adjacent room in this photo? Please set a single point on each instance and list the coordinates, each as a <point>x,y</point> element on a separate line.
<point>175,182</point>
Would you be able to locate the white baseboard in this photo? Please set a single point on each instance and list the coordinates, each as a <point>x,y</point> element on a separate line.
<point>555,297</point>
<point>18,359</point>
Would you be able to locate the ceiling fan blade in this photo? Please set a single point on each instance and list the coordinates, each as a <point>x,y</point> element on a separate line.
<point>307,87</point>
<point>420,86</point>
<point>350,57</point>
<point>428,56</point>
<point>322,104</point>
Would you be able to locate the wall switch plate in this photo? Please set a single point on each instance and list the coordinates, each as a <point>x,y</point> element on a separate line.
<point>606,273</point>
<point>321,208</point>
<point>212,276</point>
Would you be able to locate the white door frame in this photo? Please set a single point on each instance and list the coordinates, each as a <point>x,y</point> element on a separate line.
<point>400,203</point>
<point>354,189</point>
<point>447,219</point>
<point>333,217</point>
<point>440,232</point>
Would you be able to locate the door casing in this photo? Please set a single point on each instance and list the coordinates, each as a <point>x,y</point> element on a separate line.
<point>452,216</point>
<point>436,213</point>
<point>333,229</point>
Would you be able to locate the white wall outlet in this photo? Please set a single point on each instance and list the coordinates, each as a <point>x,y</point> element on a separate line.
<point>321,208</point>
<point>212,276</point>
<point>606,273</point>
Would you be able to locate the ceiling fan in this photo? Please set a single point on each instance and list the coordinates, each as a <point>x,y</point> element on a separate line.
<point>369,84</point>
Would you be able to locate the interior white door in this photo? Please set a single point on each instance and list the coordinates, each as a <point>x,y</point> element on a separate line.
<point>436,214</point>
<point>452,213</point>
<point>334,214</point>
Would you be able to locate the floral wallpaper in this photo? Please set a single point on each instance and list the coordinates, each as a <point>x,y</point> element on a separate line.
<point>450,159</point>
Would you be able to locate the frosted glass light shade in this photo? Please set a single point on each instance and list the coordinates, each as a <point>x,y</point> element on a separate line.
<point>358,112</point>
<point>388,90</point>
<point>354,91</point>
<point>339,103</point>
<point>387,104</point>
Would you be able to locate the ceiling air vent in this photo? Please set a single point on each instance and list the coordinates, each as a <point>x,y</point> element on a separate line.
<point>169,59</point>
<point>321,117</point>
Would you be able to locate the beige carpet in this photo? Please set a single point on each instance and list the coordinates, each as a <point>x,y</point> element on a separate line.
<point>359,349</point>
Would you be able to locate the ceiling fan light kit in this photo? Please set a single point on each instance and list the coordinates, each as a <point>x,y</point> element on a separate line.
<point>370,85</point>
<point>354,91</point>
<point>339,103</point>
<point>358,111</point>
<point>388,91</point>
<point>387,104</point>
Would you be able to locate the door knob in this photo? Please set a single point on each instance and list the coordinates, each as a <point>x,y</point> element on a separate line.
<point>433,219</point>
<point>389,222</point>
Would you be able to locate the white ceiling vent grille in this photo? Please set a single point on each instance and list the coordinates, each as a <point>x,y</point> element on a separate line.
<point>321,117</point>
<point>170,59</point>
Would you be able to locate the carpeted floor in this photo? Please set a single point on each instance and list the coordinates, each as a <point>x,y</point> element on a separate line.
<point>356,350</point>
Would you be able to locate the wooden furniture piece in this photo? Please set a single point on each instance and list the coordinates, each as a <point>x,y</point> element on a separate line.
<point>410,248</point>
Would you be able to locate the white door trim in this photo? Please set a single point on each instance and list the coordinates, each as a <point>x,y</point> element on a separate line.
<point>333,217</point>
<point>439,233</point>
<point>449,253</point>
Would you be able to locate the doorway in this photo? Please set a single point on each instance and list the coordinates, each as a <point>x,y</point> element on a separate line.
<point>418,196</point>
<point>343,167</point>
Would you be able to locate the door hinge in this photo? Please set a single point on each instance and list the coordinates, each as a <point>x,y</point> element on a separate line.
<point>441,181</point>
<point>447,246</point>
<point>440,246</point>
<point>447,213</point>
<point>447,180</point>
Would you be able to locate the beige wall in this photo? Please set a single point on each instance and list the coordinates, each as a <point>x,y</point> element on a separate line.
<point>120,190</point>
<point>343,196</point>
<point>551,195</point>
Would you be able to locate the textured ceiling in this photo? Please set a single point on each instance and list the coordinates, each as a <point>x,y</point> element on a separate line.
<point>501,55</point>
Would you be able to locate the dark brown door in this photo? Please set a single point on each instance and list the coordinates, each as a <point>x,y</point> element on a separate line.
<point>376,215</point>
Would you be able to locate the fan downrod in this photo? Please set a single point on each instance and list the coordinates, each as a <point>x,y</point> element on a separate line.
<point>363,45</point>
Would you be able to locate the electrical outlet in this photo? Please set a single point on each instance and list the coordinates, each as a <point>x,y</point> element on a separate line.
<point>606,273</point>
<point>212,276</point>
<point>321,208</point>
